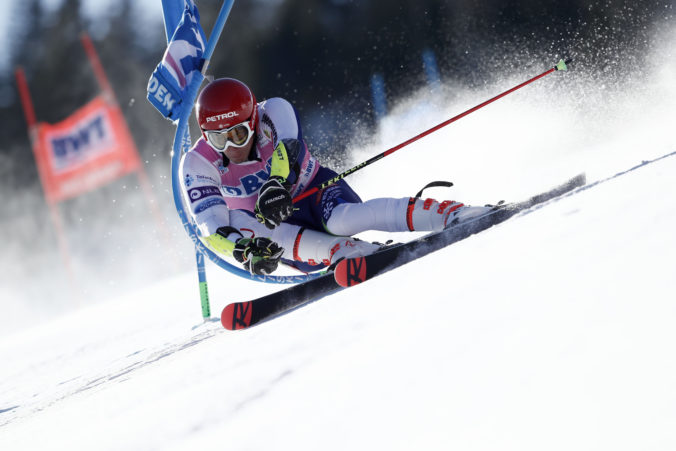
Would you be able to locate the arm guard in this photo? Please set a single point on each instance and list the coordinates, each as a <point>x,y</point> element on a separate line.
<point>223,241</point>
<point>286,160</point>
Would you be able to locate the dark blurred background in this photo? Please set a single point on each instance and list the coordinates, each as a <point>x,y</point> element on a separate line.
<point>318,54</point>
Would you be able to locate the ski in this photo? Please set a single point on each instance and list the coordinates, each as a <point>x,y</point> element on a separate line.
<point>353,271</point>
<point>240,315</point>
<point>350,272</point>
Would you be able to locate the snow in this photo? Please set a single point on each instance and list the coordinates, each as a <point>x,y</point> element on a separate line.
<point>554,330</point>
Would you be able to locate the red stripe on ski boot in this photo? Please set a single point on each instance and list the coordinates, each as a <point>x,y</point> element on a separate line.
<point>237,315</point>
<point>350,272</point>
<point>409,213</point>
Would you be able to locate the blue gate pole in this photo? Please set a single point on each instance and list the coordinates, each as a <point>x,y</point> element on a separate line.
<point>192,93</point>
<point>431,69</point>
<point>379,97</point>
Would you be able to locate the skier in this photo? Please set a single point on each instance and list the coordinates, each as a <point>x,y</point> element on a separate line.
<point>240,177</point>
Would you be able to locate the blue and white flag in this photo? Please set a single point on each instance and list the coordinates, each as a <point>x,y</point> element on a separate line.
<point>182,60</point>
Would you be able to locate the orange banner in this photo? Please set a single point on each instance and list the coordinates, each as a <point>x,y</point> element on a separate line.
<point>90,148</point>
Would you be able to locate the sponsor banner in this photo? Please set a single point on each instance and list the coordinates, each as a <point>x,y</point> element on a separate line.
<point>90,148</point>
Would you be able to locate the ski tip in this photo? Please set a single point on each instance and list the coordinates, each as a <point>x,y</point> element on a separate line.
<point>350,272</point>
<point>237,315</point>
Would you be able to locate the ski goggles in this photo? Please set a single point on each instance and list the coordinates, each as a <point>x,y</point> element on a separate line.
<point>237,136</point>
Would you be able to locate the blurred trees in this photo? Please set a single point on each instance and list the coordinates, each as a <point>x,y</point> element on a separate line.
<point>319,54</point>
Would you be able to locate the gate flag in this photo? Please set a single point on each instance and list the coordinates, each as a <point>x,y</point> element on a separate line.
<point>183,58</point>
<point>86,150</point>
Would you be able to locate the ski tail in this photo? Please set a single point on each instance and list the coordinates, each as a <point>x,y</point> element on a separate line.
<point>351,271</point>
<point>242,315</point>
<point>237,315</point>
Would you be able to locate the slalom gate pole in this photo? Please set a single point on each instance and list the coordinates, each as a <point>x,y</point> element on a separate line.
<point>223,14</point>
<point>561,65</point>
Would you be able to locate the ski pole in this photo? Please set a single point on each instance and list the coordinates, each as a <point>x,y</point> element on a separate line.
<point>561,65</point>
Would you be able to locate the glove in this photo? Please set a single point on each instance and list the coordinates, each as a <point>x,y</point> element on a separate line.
<point>274,203</point>
<point>258,255</point>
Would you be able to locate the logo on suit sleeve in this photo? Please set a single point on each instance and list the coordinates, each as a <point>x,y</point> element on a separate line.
<point>201,192</point>
<point>209,203</point>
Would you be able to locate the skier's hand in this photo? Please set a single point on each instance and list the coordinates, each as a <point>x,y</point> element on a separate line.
<point>258,255</point>
<point>274,204</point>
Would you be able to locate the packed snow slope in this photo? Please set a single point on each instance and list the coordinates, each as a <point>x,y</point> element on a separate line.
<point>554,330</point>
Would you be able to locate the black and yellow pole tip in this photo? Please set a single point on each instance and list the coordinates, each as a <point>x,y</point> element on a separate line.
<point>563,65</point>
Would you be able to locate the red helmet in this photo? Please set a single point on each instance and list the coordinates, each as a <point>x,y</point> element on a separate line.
<point>224,103</point>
